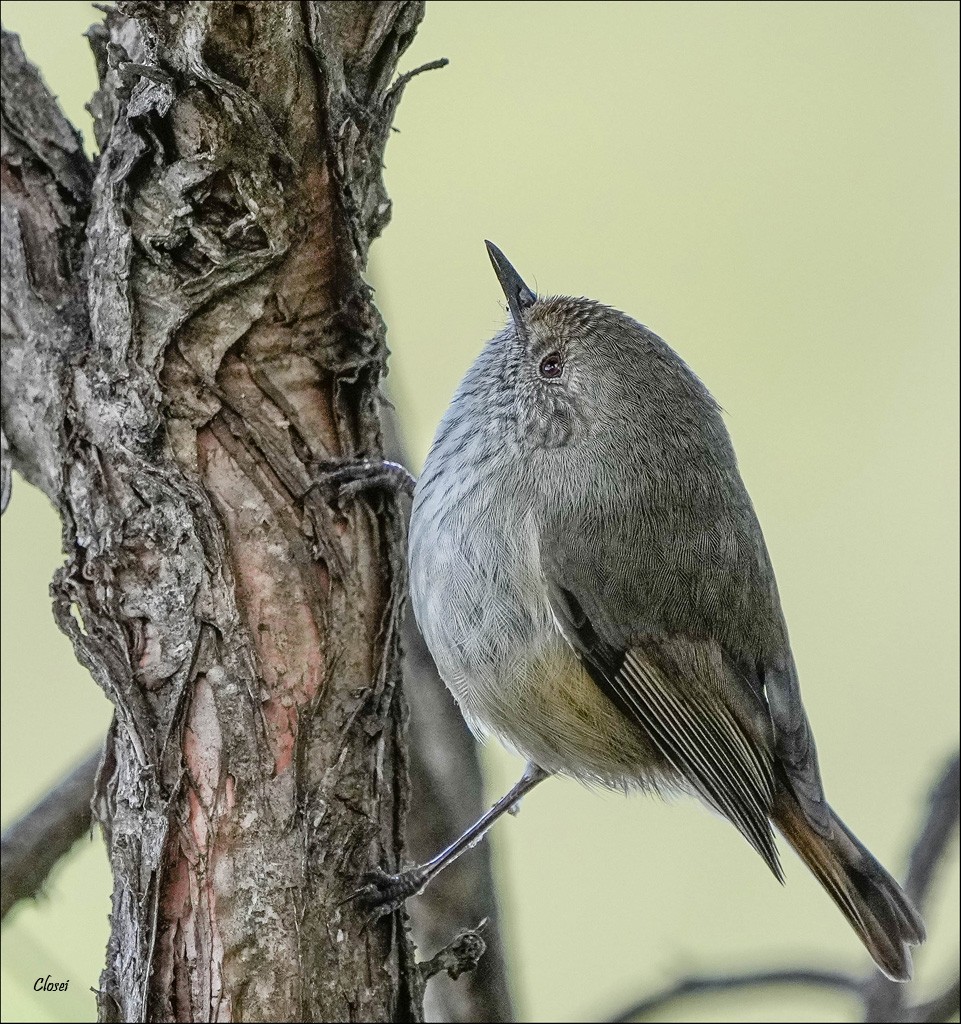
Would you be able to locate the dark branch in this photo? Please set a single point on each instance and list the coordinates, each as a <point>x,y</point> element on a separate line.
<point>33,844</point>
<point>6,471</point>
<point>432,65</point>
<point>46,182</point>
<point>944,806</point>
<point>460,955</point>
<point>943,1007</point>
<point>885,1000</point>
<point>882,1000</point>
<point>689,987</point>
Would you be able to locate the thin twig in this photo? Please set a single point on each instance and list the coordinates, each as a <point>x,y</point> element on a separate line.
<point>944,806</point>
<point>432,65</point>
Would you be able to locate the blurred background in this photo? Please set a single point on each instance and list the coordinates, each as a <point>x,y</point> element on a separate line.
<point>772,188</point>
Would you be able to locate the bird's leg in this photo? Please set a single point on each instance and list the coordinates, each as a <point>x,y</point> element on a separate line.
<point>351,478</point>
<point>386,892</point>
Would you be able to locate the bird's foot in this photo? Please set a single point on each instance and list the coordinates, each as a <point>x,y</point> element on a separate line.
<point>348,479</point>
<point>384,893</point>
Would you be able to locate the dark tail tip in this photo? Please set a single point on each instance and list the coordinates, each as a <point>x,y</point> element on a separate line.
<point>886,922</point>
<point>879,891</point>
<point>876,907</point>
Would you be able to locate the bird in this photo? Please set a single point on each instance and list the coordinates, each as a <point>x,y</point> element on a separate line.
<point>589,574</point>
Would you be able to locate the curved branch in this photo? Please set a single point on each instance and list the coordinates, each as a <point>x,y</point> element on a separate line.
<point>700,986</point>
<point>886,1000</point>
<point>943,1007</point>
<point>882,1000</point>
<point>944,807</point>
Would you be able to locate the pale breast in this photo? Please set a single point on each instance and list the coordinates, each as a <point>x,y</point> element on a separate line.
<point>481,602</point>
<point>476,589</point>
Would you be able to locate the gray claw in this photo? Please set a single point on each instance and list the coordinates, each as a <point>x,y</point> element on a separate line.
<point>353,478</point>
<point>384,893</point>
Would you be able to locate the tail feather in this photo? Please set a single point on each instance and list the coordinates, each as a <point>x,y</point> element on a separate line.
<point>872,901</point>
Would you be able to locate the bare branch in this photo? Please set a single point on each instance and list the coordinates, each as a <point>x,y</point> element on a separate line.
<point>944,1007</point>
<point>432,65</point>
<point>703,986</point>
<point>937,833</point>
<point>448,796</point>
<point>45,195</point>
<point>6,472</point>
<point>33,844</point>
<point>458,957</point>
<point>885,1000</point>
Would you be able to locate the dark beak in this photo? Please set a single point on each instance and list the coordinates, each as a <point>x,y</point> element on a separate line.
<point>519,296</point>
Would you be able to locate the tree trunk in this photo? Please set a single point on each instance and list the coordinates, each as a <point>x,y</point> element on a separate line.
<point>187,340</point>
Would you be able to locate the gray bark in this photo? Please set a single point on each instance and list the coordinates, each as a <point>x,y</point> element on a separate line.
<point>185,339</point>
<point>43,322</point>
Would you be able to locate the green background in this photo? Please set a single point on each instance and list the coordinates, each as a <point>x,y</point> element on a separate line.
<point>771,187</point>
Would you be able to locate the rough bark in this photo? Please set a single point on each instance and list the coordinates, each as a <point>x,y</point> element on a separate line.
<point>447,795</point>
<point>187,340</point>
<point>43,323</point>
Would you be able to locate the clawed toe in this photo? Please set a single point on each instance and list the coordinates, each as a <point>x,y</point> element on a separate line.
<point>352,478</point>
<point>384,893</point>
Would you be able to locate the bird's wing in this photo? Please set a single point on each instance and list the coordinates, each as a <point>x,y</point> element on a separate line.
<point>674,563</point>
<point>794,744</point>
<point>688,720</point>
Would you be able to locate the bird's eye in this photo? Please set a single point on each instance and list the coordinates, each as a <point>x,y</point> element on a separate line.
<point>552,366</point>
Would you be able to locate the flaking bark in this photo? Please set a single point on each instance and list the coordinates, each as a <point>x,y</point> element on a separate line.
<point>189,338</point>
